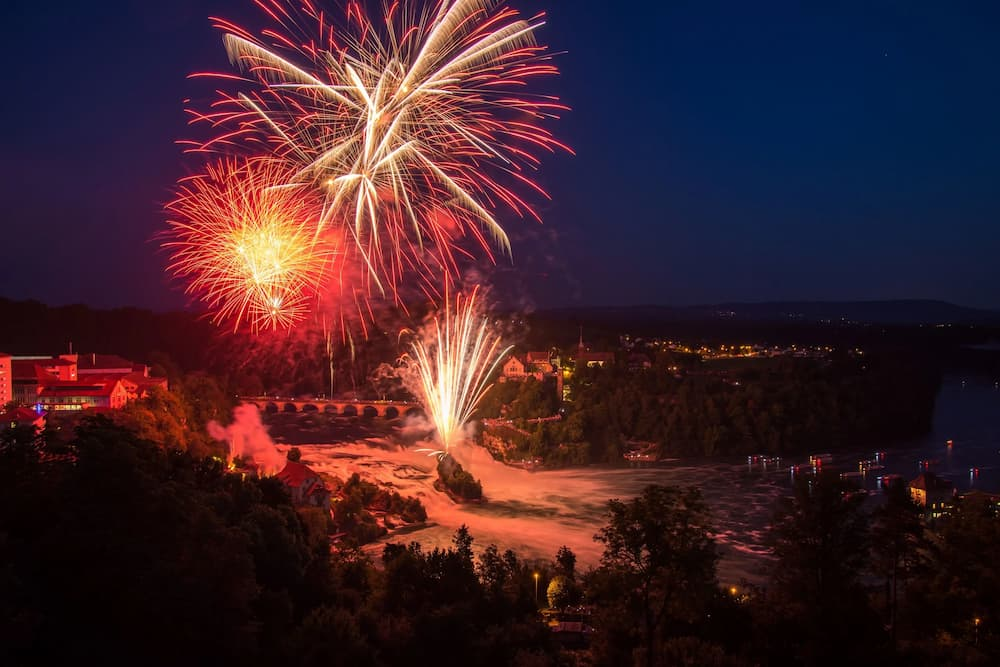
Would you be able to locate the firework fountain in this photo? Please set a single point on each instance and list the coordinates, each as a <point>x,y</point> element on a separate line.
<point>451,366</point>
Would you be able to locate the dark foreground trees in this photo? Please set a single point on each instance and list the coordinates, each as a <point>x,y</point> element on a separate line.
<point>657,577</point>
<point>851,586</point>
<point>116,549</point>
<point>900,551</point>
<point>816,609</point>
<point>951,613</point>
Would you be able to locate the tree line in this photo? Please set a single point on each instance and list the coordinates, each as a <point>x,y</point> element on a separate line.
<point>782,407</point>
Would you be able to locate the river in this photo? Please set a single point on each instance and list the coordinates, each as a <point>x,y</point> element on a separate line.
<point>534,513</point>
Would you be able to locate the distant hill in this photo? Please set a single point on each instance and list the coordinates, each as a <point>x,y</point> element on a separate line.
<point>902,312</point>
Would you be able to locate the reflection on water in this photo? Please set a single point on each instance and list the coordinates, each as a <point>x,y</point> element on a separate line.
<point>535,513</point>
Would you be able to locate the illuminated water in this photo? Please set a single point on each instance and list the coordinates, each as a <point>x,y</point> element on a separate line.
<point>535,513</point>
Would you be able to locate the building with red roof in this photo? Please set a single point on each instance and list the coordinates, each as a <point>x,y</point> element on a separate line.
<point>29,377</point>
<point>21,416</point>
<point>538,365</point>
<point>515,367</point>
<point>137,385</point>
<point>32,372</point>
<point>541,362</point>
<point>304,485</point>
<point>135,377</point>
<point>109,364</point>
<point>585,357</point>
<point>62,366</point>
<point>83,395</point>
<point>70,382</point>
<point>931,492</point>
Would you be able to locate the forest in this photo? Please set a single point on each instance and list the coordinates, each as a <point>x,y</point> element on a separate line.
<point>779,406</point>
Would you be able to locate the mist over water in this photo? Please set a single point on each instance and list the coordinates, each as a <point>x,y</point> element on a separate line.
<point>534,513</point>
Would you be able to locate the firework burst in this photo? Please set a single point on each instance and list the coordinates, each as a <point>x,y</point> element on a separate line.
<point>411,130</point>
<point>453,367</point>
<point>247,244</point>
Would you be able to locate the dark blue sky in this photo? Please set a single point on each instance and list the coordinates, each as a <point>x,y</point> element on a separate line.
<point>726,150</point>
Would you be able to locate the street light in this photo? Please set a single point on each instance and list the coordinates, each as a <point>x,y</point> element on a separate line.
<point>976,621</point>
<point>536,575</point>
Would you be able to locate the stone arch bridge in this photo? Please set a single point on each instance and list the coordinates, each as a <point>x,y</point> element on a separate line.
<point>343,408</point>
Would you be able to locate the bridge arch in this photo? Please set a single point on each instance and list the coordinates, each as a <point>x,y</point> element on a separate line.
<point>347,408</point>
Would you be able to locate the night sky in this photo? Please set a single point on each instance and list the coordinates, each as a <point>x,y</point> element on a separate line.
<point>727,151</point>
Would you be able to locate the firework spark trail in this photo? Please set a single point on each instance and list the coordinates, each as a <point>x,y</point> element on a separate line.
<point>412,130</point>
<point>453,367</point>
<point>247,244</point>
